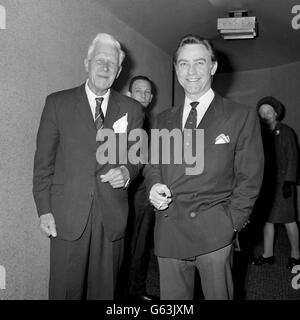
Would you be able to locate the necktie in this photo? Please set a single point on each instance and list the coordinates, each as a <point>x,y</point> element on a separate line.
<point>191,121</point>
<point>99,116</point>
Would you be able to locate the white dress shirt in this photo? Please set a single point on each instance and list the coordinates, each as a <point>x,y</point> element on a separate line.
<point>91,97</point>
<point>92,101</point>
<point>204,103</point>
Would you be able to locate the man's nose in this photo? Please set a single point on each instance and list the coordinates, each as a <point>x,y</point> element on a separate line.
<point>192,69</point>
<point>106,66</point>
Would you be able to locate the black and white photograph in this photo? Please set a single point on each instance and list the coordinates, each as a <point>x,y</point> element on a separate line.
<point>150,153</point>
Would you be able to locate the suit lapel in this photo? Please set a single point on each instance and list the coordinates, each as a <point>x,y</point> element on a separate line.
<point>112,111</point>
<point>83,108</point>
<point>174,122</point>
<point>112,114</point>
<point>209,115</point>
<point>210,122</point>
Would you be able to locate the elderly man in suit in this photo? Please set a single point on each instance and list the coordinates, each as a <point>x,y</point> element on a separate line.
<point>83,205</point>
<point>198,215</point>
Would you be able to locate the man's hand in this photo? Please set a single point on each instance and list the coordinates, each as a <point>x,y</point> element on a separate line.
<point>47,225</point>
<point>160,196</point>
<point>117,177</point>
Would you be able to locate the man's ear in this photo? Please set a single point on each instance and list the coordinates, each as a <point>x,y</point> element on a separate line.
<point>128,94</point>
<point>151,97</point>
<point>119,71</point>
<point>214,68</point>
<point>175,67</point>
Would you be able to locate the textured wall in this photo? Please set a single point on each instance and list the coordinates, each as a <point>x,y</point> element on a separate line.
<point>281,82</point>
<point>41,51</point>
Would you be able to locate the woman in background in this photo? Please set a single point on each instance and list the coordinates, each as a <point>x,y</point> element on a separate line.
<point>278,192</point>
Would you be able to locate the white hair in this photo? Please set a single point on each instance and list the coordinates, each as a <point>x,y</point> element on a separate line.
<point>106,38</point>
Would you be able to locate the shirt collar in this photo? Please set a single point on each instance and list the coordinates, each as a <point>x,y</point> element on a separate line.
<point>204,101</point>
<point>92,96</point>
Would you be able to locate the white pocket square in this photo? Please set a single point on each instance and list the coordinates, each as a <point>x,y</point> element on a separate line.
<point>120,126</point>
<point>220,139</point>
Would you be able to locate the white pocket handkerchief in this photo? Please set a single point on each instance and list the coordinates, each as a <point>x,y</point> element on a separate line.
<point>120,126</point>
<point>220,139</point>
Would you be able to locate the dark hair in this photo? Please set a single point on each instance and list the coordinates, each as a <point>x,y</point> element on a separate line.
<point>195,39</point>
<point>139,78</point>
<point>274,103</point>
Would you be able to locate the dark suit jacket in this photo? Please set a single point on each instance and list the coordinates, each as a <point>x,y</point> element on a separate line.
<point>66,173</point>
<point>206,208</point>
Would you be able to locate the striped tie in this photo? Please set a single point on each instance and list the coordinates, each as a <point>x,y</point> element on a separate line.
<point>99,116</point>
<point>191,121</point>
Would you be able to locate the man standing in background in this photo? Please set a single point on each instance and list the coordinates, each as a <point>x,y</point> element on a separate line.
<point>83,205</point>
<point>141,219</point>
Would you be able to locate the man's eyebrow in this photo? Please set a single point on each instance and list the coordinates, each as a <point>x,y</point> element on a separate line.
<point>200,59</point>
<point>197,59</point>
<point>137,87</point>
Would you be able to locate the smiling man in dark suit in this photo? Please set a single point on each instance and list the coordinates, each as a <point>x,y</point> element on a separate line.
<point>83,205</point>
<point>197,216</point>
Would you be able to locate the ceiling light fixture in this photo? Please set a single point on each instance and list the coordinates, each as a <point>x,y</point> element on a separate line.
<point>237,26</point>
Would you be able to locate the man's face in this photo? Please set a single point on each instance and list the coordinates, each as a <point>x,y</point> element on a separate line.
<point>141,91</point>
<point>195,69</point>
<point>267,113</point>
<point>103,67</point>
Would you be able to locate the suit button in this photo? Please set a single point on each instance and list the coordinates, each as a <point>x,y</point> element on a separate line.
<point>193,215</point>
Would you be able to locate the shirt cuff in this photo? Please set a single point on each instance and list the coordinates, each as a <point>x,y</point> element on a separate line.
<point>126,176</point>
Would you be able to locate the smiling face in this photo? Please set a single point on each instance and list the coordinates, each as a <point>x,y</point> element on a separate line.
<point>141,91</point>
<point>195,68</point>
<point>102,67</point>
